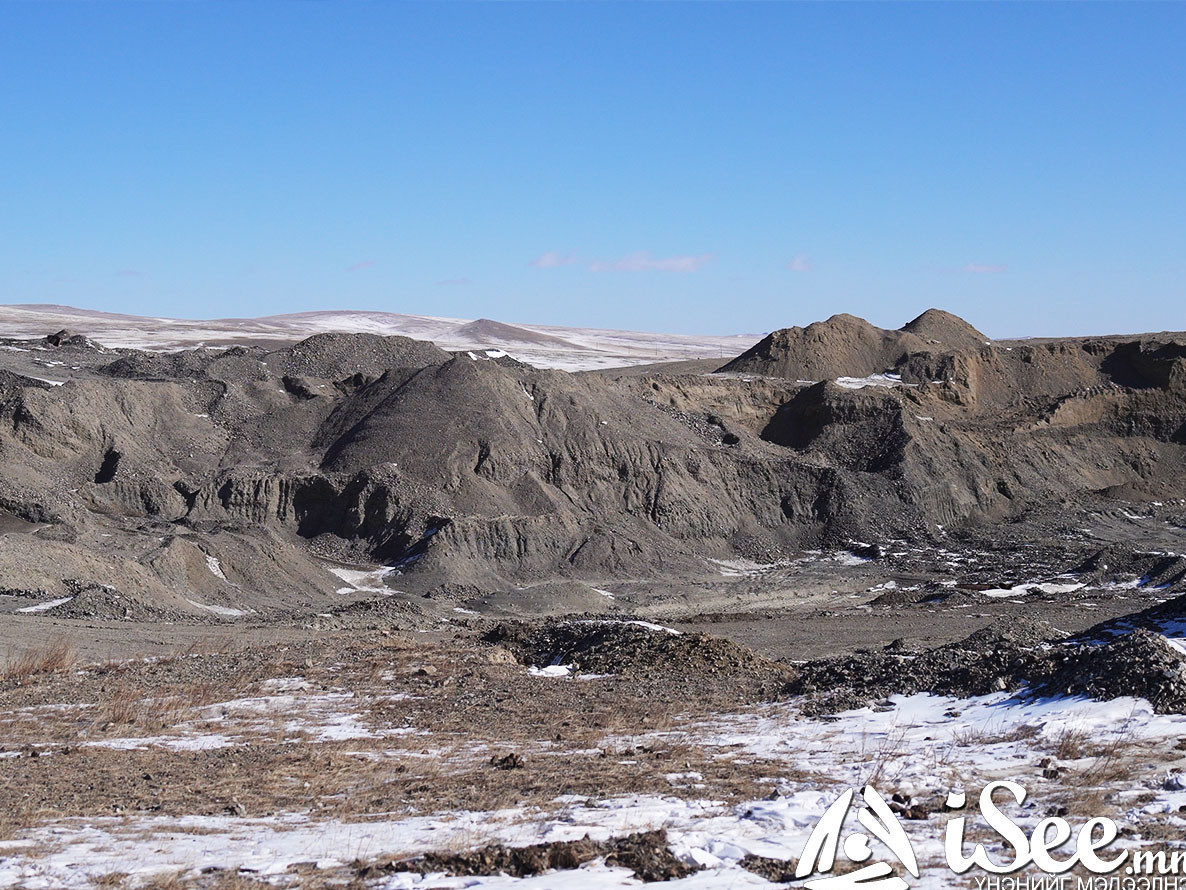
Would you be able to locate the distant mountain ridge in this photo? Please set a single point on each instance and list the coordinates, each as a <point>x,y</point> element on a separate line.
<point>541,345</point>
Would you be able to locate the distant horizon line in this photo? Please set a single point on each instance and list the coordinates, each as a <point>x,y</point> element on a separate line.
<point>67,308</point>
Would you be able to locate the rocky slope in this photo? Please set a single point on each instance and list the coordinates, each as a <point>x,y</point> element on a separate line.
<point>210,479</point>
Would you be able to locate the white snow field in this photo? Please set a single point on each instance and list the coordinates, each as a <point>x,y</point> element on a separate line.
<point>920,745</point>
<point>572,349</point>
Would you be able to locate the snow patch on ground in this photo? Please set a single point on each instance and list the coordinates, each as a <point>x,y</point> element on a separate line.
<point>886,379</point>
<point>225,611</point>
<point>921,745</point>
<point>46,606</point>
<point>207,742</point>
<point>552,670</point>
<point>1030,587</point>
<point>365,580</point>
<point>215,566</point>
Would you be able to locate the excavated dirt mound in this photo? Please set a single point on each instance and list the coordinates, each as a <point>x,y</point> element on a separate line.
<point>161,366</point>
<point>1027,657</point>
<point>1140,664</point>
<point>106,603</point>
<point>846,346</point>
<point>842,346</point>
<point>337,356</point>
<point>321,357</point>
<point>1167,617</point>
<point>381,613</point>
<point>991,660</point>
<point>490,475</point>
<point>939,328</point>
<point>602,646</point>
<point>646,854</point>
<point>1124,566</point>
<point>900,597</point>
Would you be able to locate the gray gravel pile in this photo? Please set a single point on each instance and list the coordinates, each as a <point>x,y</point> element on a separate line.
<point>604,646</point>
<point>1024,657</point>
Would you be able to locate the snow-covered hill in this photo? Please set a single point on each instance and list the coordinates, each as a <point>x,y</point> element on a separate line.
<point>541,345</point>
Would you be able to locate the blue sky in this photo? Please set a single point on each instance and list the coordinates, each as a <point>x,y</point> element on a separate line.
<point>695,168</point>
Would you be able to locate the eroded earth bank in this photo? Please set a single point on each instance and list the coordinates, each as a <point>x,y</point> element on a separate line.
<point>357,611</point>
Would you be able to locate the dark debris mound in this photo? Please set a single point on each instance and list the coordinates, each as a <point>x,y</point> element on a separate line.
<point>645,853</point>
<point>179,365</point>
<point>335,356</point>
<point>67,337</point>
<point>898,596</point>
<point>1118,564</point>
<point>776,871</point>
<point>1156,618</point>
<point>89,600</point>
<point>992,659</point>
<point>600,646</point>
<point>10,383</point>
<point>1140,664</point>
<point>931,594</point>
<point>381,612</point>
<point>1017,656</point>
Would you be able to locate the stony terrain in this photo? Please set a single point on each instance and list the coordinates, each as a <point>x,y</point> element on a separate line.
<point>366,587</point>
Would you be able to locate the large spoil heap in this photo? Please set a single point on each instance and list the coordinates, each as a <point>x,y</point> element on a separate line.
<point>147,480</point>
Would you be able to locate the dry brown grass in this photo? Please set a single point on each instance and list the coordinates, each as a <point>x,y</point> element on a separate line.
<point>985,735</point>
<point>56,656</point>
<point>1071,743</point>
<point>1114,766</point>
<point>130,705</point>
<point>886,757</point>
<point>110,880</point>
<point>226,880</point>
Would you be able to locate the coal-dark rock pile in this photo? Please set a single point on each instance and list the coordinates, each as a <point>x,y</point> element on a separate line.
<point>335,356</point>
<point>99,601</point>
<point>1024,657</point>
<point>1168,617</point>
<point>1123,565</point>
<point>379,613</point>
<point>1141,664</point>
<point>137,365</point>
<point>600,646</point>
<point>991,660</point>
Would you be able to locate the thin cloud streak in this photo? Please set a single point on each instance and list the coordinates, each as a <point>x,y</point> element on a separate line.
<point>454,282</point>
<point>360,265</point>
<point>642,261</point>
<point>553,259</point>
<point>800,262</point>
<point>982,269</point>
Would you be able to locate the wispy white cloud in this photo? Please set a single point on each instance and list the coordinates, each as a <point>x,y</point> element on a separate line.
<point>128,273</point>
<point>983,269</point>
<point>360,265</point>
<point>800,262</point>
<point>641,261</point>
<point>553,259</point>
<point>453,282</point>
